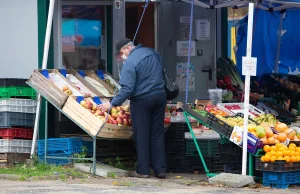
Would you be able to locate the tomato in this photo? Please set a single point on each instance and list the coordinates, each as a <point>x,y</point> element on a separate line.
<point>167,121</point>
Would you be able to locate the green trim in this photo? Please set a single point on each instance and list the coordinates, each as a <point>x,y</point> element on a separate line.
<point>43,6</point>
<point>224,21</point>
<point>109,22</point>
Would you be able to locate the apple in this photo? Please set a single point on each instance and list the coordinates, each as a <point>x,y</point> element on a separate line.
<point>121,117</point>
<point>127,115</point>
<point>119,120</point>
<point>114,110</point>
<point>97,113</point>
<point>126,107</point>
<point>83,103</point>
<point>125,122</point>
<point>94,107</point>
<point>93,111</point>
<point>101,113</point>
<point>69,92</point>
<point>122,112</point>
<point>114,115</point>
<point>65,88</point>
<point>115,122</point>
<point>86,106</point>
<point>129,122</point>
<point>118,108</point>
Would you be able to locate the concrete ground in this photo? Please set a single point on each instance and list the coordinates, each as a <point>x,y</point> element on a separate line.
<point>186,184</point>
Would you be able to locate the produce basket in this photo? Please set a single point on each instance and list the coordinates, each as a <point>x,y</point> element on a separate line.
<point>9,92</point>
<point>277,166</point>
<point>98,84</point>
<point>233,108</point>
<point>219,126</point>
<point>112,82</point>
<point>40,81</point>
<point>203,116</point>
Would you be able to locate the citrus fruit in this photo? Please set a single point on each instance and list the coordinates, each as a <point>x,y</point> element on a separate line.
<point>267,148</point>
<point>292,145</point>
<point>277,141</point>
<point>278,145</point>
<point>275,136</point>
<point>273,159</point>
<point>282,137</point>
<point>272,153</point>
<point>286,153</point>
<point>292,148</point>
<point>263,159</point>
<point>273,148</point>
<point>287,158</point>
<point>267,158</point>
<point>269,133</point>
<point>279,154</point>
<point>293,159</point>
<point>297,158</point>
<point>280,158</point>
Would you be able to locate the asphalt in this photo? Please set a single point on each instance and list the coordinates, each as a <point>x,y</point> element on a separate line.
<point>187,184</point>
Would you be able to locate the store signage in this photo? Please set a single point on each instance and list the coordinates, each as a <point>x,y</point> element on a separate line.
<point>117,4</point>
<point>249,65</point>
<point>183,48</point>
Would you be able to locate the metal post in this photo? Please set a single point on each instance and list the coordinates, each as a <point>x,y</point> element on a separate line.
<point>94,154</point>
<point>279,35</point>
<point>46,131</point>
<point>247,89</point>
<point>44,66</point>
<point>251,173</point>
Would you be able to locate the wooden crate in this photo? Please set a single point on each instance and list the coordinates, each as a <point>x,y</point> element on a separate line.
<point>91,124</point>
<point>93,75</point>
<point>85,83</point>
<point>9,159</point>
<point>47,89</point>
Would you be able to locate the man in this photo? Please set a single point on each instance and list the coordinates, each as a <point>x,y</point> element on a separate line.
<point>143,84</point>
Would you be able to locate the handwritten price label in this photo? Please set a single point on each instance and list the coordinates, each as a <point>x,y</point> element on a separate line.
<point>249,65</point>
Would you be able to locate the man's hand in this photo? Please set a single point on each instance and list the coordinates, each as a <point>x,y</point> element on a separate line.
<point>105,106</point>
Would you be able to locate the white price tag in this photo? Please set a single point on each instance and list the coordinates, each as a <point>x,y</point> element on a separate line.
<point>249,65</point>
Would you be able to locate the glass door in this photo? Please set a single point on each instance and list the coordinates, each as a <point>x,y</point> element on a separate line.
<point>83,38</point>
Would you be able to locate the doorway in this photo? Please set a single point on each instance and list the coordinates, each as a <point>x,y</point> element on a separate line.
<point>146,34</point>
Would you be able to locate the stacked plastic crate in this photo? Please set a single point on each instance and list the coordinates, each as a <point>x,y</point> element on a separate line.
<point>17,114</point>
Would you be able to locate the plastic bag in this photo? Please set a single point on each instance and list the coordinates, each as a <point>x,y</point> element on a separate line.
<point>171,87</point>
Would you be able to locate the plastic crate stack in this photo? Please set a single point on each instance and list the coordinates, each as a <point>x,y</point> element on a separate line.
<point>59,147</point>
<point>17,115</point>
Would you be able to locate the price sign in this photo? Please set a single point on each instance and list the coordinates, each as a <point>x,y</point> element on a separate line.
<point>249,65</point>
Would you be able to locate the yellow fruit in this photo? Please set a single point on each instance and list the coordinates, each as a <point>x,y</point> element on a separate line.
<point>278,145</point>
<point>268,154</point>
<point>287,158</point>
<point>267,148</point>
<point>272,153</point>
<point>281,149</point>
<point>298,149</point>
<point>292,148</point>
<point>273,159</point>
<point>292,145</point>
<point>273,148</point>
<point>262,159</point>
<point>279,154</point>
<point>286,153</point>
<point>297,158</point>
<point>267,158</point>
<point>280,158</point>
<point>292,153</point>
<point>293,159</point>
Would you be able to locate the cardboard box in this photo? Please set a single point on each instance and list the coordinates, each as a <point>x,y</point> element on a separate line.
<point>254,143</point>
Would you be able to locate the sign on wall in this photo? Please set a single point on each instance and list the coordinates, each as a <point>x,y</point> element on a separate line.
<point>183,48</point>
<point>202,29</point>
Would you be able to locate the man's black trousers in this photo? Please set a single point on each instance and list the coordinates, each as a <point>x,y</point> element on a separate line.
<point>147,116</point>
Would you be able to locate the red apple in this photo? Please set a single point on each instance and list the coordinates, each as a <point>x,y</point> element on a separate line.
<point>122,112</point>
<point>120,121</point>
<point>125,122</point>
<point>101,113</point>
<point>115,122</point>
<point>93,111</point>
<point>121,117</point>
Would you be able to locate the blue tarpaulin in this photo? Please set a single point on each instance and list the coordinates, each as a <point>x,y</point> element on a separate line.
<point>264,45</point>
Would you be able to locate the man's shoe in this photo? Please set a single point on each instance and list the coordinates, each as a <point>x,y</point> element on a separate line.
<point>160,175</point>
<point>134,174</point>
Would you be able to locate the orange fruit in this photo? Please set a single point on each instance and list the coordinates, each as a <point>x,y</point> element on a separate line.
<point>290,133</point>
<point>269,133</point>
<point>286,153</point>
<point>293,159</point>
<point>279,154</point>
<point>292,145</point>
<point>268,154</point>
<point>262,159</point>
<point>281,149</point>
<point>272,153</point>
<point>292,153</point>
<point>292,148</point>
<point>273,148</point>
<point>273,159</point>
<point>267,158</point>
<point>297,154</point>
<point>264,140</point>
<point>282,137</point>
<point>271,140</point>
<point>298,149</point>
<point>278,145</point>
<point>280,158</point>
<point>297,158</point>
<point>287,158</point>
<point>267,148</point>
<point>277,141</point>
<point>275,136</point>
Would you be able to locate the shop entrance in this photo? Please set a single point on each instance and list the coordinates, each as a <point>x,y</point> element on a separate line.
<point>146,34</point>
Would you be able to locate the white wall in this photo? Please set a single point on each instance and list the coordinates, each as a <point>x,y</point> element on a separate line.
<point>18,38</point>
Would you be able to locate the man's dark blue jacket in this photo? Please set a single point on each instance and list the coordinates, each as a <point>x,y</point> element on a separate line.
<point>141,76</point>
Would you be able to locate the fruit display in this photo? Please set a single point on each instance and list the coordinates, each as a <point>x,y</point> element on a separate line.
<point>119,115</point>
<point>287,83</point>
<point>215,110</point>
<point>275,109</point>
<point>108,82</point>
<point>290,153</point>
<point>80,86</point>
<point>238,108</point>
<point>266,118</point>
<point>234,121</point>
<point>67,90</point>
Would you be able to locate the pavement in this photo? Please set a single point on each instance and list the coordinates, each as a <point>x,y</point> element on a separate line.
<point>174,184</point>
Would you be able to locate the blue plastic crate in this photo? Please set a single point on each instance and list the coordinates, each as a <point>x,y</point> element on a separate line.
<point>281,180</point>
<point>56,161</point>
<point>89,146</point>
<point>56,146</point>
